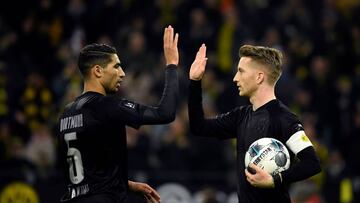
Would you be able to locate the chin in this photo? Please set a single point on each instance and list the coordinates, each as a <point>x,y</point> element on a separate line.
<point>243,94</point>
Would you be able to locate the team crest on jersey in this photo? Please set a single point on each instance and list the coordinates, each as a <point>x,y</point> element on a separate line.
<point>129,104</point>
<point>299,127</point>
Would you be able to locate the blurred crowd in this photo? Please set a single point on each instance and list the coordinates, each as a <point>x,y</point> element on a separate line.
<point>40,41</point>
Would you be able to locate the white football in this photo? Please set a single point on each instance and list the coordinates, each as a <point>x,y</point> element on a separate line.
<point>269,154</point>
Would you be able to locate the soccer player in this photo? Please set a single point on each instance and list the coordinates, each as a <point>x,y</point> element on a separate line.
<point>92,128</point>
<point>258,70</point>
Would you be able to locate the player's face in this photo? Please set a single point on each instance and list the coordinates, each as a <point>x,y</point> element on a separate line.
<point>113,75</point>
<point>245,77</point>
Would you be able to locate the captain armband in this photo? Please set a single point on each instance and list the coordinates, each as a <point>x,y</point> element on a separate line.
<point>298,141</point>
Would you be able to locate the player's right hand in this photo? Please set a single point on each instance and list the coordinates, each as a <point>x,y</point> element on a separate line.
<point>170,46</point>
<point>143,189</point>
<point>197,69</point>
<point>259,177</point>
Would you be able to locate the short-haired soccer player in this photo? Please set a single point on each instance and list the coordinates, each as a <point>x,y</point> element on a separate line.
<point>258,70</point>
<point>92,128</point>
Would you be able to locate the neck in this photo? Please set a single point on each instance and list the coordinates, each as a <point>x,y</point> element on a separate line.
<point>93,86</point>
<point>262,96</point>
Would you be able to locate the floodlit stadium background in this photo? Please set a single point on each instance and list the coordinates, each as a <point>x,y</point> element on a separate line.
<point>39,42</point>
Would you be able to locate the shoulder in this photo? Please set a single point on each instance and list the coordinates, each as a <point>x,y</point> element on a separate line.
<point>241,110</point>
<point>237,113</point>
<point>281,112</point>
<point>118,104</point>
<point>284,118</point>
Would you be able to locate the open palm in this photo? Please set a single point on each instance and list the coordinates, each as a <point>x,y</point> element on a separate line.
<point>197,69</point>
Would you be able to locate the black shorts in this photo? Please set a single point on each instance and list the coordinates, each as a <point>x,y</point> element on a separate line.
<point>100,198</point>
<point>107,198</point>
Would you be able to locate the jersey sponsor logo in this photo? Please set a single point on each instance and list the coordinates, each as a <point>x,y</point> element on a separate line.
<point>71,122</point>
<point>129,104</point>
<point>262,155</point>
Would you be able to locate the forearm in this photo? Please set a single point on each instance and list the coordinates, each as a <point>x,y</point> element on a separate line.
<point>308,166</point>
<point>200,126</point>
<point>165,111</point>
<point>195,109</point>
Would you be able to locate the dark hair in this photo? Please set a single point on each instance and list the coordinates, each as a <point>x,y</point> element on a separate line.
<point>270,57</point>
<point>94,54</point>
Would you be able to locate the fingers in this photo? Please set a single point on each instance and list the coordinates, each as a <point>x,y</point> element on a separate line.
<point>247,173</point>
<point>151,194</point>
<point>249,177</point>
<point>168,37</point>
<point>165,36</point>
<point>253,166</point>
<point>202,51</point>
<point>176,40</point>
<point>154,194</point>
<point>170,46</point>
<point>151,199</point>
<point>171,36</point>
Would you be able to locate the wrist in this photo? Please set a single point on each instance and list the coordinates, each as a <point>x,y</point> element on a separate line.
<point>277,178</point>
<point>130,184</point>
<point>171,63</point>
<point>194,79</point>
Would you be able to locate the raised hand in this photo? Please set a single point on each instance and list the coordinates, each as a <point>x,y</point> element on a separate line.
<point>197,69</point>
<point>170,46</point>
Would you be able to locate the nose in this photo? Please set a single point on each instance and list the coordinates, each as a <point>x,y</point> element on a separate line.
<point>235,78</point>
<point>121,72</point>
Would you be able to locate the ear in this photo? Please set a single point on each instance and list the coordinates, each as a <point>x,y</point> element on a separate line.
<point>97,71</point>
<point>260,78</point>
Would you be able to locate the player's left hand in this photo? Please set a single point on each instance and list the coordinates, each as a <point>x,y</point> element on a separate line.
<point>171,52</point>
<point>197,68</point>
<point>145,190</point>
<point>260,178</point>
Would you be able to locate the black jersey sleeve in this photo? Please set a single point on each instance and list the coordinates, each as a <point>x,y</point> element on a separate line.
<point>306,163</point>
<point>134,114</point>
<point>222,126</point>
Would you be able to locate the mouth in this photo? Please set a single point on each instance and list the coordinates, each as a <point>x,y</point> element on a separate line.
<point>118,84</point>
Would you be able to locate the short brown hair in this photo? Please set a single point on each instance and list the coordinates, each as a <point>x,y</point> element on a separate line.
<point>270,57</point>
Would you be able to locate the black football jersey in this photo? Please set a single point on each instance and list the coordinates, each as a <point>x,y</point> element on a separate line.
<point>273,120</point>
<point>92,138</point>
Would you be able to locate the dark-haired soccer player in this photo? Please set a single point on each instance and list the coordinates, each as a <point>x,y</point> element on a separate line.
<point>92,128</point>
<point>259,69</point>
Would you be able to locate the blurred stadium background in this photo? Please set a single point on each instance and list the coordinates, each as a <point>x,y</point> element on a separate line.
<point>39,43</point>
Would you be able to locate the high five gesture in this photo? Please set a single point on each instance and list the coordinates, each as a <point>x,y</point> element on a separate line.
<point>170,46</point>
<point>197,69</point>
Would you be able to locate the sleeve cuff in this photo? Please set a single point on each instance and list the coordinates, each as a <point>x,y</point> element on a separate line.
<point>171,66</point>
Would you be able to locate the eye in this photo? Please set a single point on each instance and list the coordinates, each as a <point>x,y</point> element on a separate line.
<point>117,66</point>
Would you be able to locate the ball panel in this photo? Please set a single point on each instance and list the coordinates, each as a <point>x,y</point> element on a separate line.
<point>269,154</point>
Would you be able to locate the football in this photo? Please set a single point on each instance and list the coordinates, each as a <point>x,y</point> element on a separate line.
<point>269,154</point>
